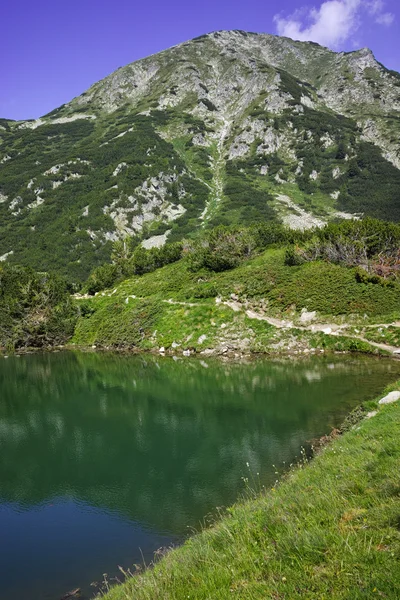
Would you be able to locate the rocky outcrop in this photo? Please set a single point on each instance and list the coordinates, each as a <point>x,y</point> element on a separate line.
<point>170,139</point>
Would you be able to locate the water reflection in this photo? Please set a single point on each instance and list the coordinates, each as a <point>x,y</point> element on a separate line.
<point>130,434</point>
<point>138,449</point>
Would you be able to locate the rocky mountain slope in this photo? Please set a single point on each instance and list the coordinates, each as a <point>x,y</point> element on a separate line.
<point>228,127</point>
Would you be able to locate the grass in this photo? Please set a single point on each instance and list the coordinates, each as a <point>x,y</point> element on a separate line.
<point>330,529</point>
<point>148,320</point>
<point>386,335</point>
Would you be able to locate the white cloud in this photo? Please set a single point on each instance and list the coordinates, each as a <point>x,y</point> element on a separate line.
<point>334,22</point>
<point>375,9</point>
<point>385,19</point>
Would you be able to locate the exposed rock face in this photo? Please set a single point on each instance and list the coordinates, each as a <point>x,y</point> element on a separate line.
<point>212,130</point>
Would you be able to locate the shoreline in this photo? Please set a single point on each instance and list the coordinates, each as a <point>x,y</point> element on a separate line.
<point>186,569</point>
<point>354,421</point>
<point>218,352</point>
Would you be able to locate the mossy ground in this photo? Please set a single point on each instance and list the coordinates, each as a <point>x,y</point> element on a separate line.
<point>330,529</point>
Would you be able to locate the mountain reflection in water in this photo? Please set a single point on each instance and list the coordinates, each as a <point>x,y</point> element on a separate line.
<point>103,455</point>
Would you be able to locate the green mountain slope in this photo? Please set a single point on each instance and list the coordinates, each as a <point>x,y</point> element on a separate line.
<point>257,307</point>
<point>229,127</point>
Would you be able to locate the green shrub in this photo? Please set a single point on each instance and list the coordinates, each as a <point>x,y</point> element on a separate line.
<point>102,277</point>
<point>35,308</point>
<point>220,249</point>
<point>293,257</point>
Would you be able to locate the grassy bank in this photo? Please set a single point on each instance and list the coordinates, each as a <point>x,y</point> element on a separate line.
<point>331,529</point>
<point>176,309</point>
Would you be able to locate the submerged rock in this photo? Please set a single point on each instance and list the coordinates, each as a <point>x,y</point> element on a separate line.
<point>72,594</point>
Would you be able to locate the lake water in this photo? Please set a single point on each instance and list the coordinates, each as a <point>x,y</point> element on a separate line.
<point>106,458</point>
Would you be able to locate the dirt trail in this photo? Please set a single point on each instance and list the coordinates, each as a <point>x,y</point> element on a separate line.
<point>327,328</point>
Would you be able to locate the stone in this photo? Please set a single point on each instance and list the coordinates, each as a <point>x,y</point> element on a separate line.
<point>306,316</point>
<point>390,398</point>
<point>371,414</point>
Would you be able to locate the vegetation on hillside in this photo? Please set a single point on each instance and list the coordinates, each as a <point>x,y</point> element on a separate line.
<point>163,147</point>
<point>182,305</point>
<point>179,295</point>
<point>36,309</point>
<point>71,167</point>
<point>371,245</point>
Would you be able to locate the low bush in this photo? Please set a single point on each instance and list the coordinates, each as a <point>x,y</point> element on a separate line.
<point>36,309</point>
<point>370,245</point>
<point>220,249</point>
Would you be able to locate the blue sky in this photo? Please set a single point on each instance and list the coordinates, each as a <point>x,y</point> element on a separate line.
<point>52,51</point>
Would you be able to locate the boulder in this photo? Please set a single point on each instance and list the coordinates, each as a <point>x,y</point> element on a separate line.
<point>390,398</point>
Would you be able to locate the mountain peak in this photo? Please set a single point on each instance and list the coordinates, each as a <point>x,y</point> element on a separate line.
<point>230,127</point>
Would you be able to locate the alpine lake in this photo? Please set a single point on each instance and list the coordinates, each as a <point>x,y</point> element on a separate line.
<point>107,458</point>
